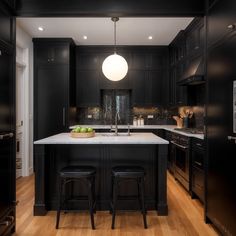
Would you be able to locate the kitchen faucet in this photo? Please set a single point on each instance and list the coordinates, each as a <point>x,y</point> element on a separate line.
<point>117,117</point>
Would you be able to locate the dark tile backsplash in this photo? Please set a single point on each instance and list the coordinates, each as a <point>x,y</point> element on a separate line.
<point>161,116</point>
<point>95,115</point>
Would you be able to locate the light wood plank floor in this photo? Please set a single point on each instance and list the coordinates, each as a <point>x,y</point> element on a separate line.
<point>185,218</point>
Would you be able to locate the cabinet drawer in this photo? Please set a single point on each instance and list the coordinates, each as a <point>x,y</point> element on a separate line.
<point>198,183</point>
<point>198,143</point>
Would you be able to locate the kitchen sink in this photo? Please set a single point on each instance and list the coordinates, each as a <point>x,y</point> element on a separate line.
<point>114,135</point>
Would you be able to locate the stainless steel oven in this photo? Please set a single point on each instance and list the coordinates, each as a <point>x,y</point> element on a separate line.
<point>181,152</point>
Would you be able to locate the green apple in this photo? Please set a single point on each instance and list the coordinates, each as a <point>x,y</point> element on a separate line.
<point>77,129</point>
<point>90,130</point>
<point>83,130</point>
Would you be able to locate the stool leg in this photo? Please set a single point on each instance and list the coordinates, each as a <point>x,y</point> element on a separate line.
<point>90,195</point>
<point>59,202</point>
<point>111,195</point>
<point>94,196</point>
<point>139,194</point>
<point>143,203</point>
<point>115,192</point>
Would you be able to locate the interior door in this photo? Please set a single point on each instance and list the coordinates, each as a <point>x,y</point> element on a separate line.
<point>221,179</point>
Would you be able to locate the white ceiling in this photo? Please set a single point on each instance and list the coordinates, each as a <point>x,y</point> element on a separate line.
<point>130,31</point>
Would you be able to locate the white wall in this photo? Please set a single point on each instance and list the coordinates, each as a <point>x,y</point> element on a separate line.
<point>24,40</point>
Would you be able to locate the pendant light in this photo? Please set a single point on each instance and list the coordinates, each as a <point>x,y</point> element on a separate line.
<point>115,67</point>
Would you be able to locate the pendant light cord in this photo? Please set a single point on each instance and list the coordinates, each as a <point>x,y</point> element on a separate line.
<point>115,37</point>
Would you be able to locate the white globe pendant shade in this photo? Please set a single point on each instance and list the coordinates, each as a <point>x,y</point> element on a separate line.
<point>115,67</point>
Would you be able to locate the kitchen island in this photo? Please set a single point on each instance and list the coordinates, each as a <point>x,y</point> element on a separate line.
<point>103,152</point>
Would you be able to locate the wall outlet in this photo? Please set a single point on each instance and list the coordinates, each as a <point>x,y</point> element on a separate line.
<point>90,116</point>
<point>150,116</point>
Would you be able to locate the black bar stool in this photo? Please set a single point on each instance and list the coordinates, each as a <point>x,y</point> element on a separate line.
<point>71,174</point>
<point>122,173</point>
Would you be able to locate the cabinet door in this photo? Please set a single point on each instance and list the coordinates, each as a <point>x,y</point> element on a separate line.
<point>51,97</point>
<point>10,3</point>
<point>89,61</point>
<point>139,61</point>
<point>221,20</point>
<point>156,86</point>
<point>181,91</point>
<point>138,87</point>
<point>87,88</point>
<point>6,90</point>
<point>172,86</point>
<point>55,53</point>
<point>6,22</point>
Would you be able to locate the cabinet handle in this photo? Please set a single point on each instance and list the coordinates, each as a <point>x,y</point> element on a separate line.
<point>198,163</point>
<point>0,53</point>
<point>5,223</point>
<point>63,116</point>
<point>178,145</point>
<point>232,26</point>
<point>3,136</point>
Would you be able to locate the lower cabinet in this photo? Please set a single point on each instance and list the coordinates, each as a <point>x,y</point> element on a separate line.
<point>198,169</point>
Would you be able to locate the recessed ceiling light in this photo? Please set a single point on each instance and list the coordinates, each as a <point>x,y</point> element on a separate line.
<point>150,37</point>
<point>40,28</point>
<point>85,37</point>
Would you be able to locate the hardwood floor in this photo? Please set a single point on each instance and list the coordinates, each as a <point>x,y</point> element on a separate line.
<point>185,218</point>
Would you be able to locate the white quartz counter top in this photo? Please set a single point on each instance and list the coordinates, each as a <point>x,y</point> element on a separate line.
<point>165,127</point>
<point>104,138</point>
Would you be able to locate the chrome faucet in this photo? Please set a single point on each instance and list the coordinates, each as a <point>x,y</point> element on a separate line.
<point>117,117</point>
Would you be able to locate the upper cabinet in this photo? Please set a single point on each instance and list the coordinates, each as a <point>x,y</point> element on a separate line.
<point>221,20</point>
<point>187,45</point>
<point>7,25</point>
<point>53,53</point>
<point>10,3</point>
<point>195,37</point>
<point>146,66</point>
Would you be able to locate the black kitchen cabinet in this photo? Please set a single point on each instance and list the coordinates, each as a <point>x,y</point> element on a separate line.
<point>221,20</point>
<point>181,91</point>
<point>87,88</point>
<point>7,24</point>
<point>156,86</point>
<point>139,87</point>
<point>7,122</point>
<point>146,87</point>
<point>147,71</point>
<point>10,3</point>
<point>53,86</point>
<point>178,94</point>
<point>198,169</point>
<point>195,37</point>
<point>53,53</point>
<point>87,60</point>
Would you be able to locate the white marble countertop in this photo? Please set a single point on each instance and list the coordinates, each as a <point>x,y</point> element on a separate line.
<point>104,138</point>
<point>165,127</point>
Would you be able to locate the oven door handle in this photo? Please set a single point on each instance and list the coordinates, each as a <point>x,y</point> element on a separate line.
<point>178,145</point>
